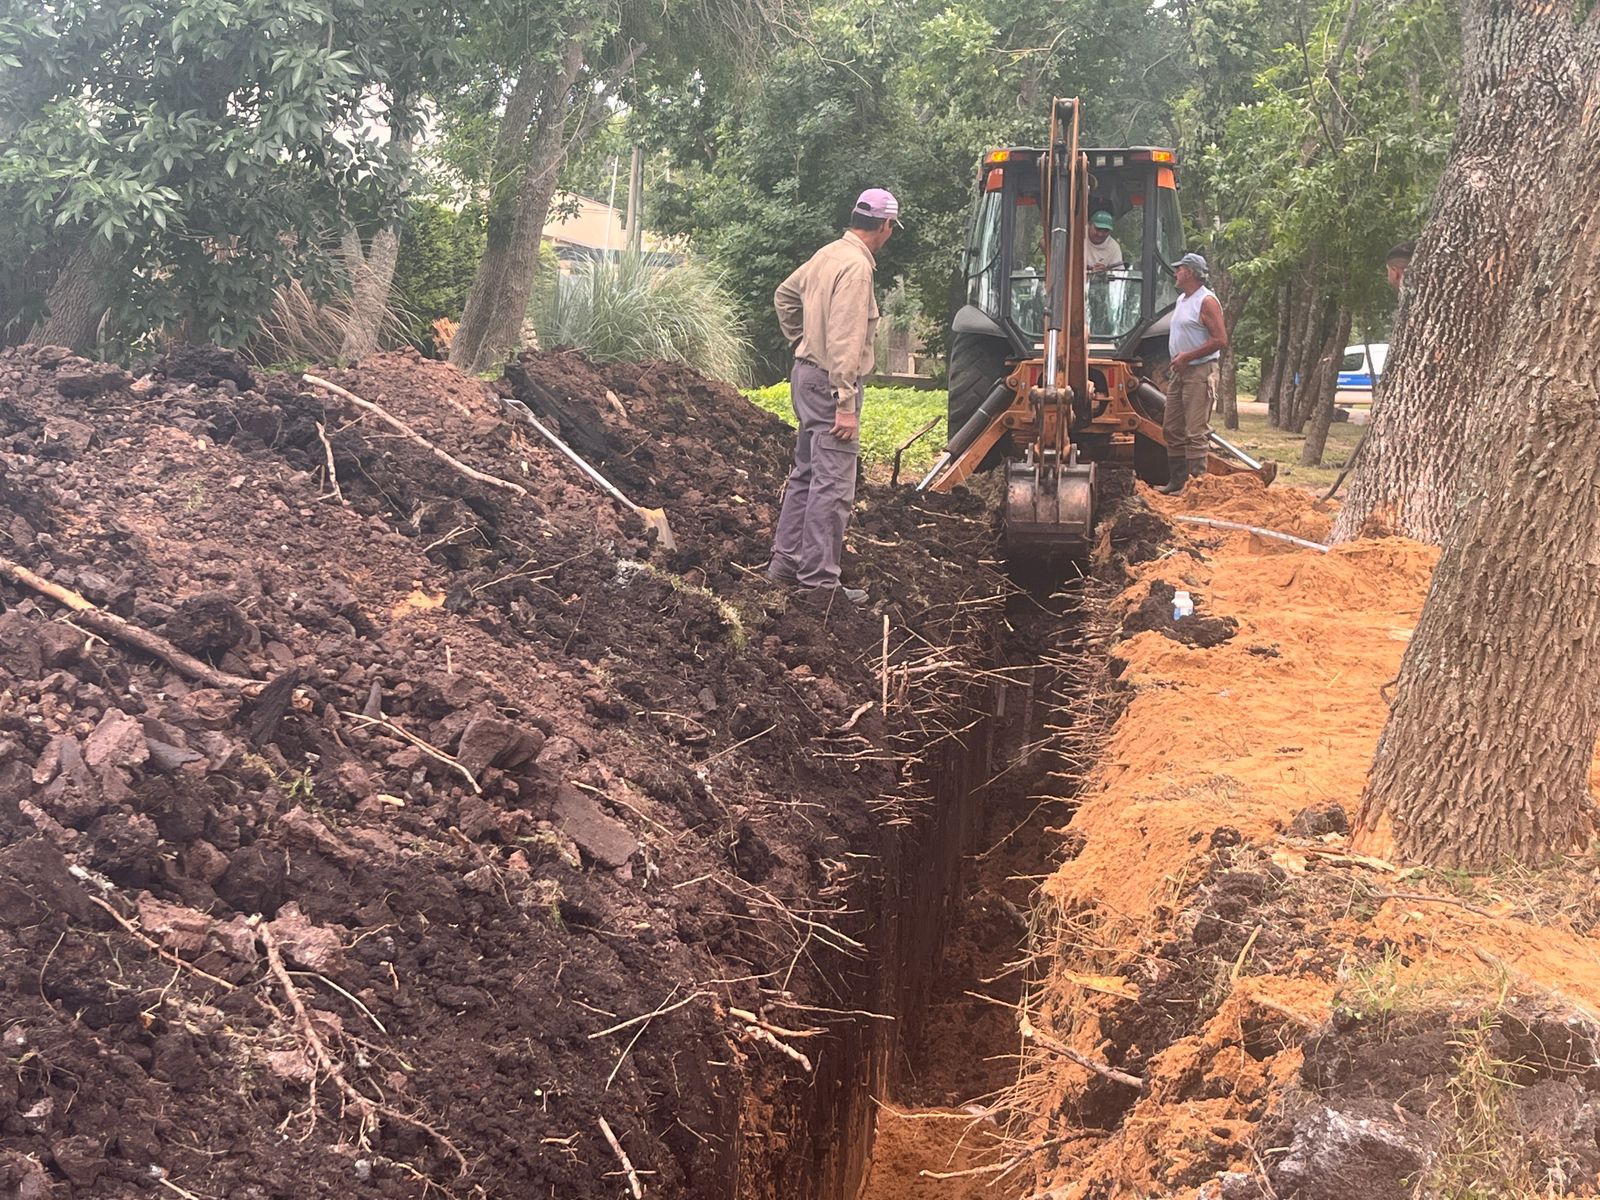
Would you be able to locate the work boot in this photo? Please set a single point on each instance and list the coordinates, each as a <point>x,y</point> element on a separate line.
<point>1197,468</point>
<point>781,577</point>
<point>1177,476</point>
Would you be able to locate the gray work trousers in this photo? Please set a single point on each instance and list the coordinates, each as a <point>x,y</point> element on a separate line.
<point>809,543</point>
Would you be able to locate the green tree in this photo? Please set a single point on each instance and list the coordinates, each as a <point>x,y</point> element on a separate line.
<point>171,163</point>
<point>905,96</point>
<point>545,75</point>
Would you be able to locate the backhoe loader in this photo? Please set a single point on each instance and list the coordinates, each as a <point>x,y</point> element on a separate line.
<point>1051,366</point>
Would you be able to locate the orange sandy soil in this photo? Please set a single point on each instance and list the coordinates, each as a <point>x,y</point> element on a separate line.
<point>1241,737</point>
<point>1246,735</point>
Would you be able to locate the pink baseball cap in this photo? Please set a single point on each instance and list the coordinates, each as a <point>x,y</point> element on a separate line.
<point>880,203</point>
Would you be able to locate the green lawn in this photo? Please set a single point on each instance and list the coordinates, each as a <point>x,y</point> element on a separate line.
<point>1260,440</point>
<point>888,417</point>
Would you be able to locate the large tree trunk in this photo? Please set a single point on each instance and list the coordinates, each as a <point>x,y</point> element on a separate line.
<point>536,135</point>
<point>1327,385</point>
<point>371,280</point>
<point>79,297</point>
<point>1487,752</point>
<point>1519,88</point>
<point>1303,334</point>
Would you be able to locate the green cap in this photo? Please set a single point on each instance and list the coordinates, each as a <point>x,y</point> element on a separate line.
<point>1102,220</point>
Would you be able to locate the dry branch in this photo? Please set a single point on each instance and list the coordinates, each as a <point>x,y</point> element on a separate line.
<point>327,451</point>
<point>368,1108</point>
<point>622,1156</point>
<point>110,625</point>
<point>756,1033</point>
<point>400,426</point>
<point>426,747</point>
<point>156,948</point>
<point>1046,1042</point>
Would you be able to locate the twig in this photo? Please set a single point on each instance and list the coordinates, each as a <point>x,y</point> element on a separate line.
<point>710,758</point>
<point>622,1156</point>
<point>1249,944</point>
<point>154,946</point>
<point>861,710</point>
<point>327,453</point>
<point>660,1011</point>
<point>759,1034</point>
<point>1424,897</point>
<point>110,625</point>
<point>1283,1010</point>
<point>883,671</point>
<point>368,1108</point>
<point>367,1011</point>
<point>401,427</point>
<point>750,1018</point>
<point>1045,1041</point>
<point>170,1186</point>
<point>430,750</point>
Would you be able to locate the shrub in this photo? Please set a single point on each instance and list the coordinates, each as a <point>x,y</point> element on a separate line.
<point>628,309</point>
<point>439,252</point>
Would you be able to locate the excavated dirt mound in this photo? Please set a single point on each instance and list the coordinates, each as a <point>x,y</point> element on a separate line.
<point>507,780</point>
<point>1292,1018</point>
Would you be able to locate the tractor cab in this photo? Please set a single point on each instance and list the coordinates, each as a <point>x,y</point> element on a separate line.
<point>1125,304</point>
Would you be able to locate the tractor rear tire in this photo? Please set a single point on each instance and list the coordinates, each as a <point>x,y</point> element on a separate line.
<point>977,362</point>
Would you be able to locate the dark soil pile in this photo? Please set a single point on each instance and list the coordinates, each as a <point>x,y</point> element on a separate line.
<point>1155,612</point>
<point>508,779</point>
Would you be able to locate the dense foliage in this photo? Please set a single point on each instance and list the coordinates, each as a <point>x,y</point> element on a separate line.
<point>183,159</point>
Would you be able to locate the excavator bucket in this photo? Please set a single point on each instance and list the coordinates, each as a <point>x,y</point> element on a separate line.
<point>1050,509</point>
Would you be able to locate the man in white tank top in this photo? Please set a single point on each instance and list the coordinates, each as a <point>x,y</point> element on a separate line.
<point>1195,344</point>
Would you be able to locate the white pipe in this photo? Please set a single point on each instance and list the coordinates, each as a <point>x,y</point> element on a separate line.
<point>1213,523</point>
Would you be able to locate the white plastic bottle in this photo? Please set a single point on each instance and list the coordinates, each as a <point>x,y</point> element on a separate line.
<point>1182,605</point>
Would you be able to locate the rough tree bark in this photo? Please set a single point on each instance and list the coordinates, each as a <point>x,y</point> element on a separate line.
<point>1322,313</point>
<point>1327,391</point>
<point>527,159</point>
<point>371,279</point>
<point>1520,83</point>
<point>78,298</point>
<point>1487,752</point>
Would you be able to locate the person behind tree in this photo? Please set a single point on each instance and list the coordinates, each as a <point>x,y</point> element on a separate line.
<point>1396,262</point>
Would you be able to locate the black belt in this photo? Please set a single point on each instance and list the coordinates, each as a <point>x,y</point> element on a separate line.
<point>810,363</point>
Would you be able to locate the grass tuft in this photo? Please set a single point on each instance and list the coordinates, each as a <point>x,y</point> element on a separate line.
<point>627,309</point>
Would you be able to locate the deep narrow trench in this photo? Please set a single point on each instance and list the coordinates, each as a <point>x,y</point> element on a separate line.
<point>943,1111</point>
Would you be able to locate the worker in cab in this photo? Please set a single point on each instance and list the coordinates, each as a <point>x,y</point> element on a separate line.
<point>1100,251</point>
<point>1195,342</point>
<point>828,313</point>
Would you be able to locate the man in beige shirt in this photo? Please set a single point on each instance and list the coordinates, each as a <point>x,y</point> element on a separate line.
<point>829,314</point>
